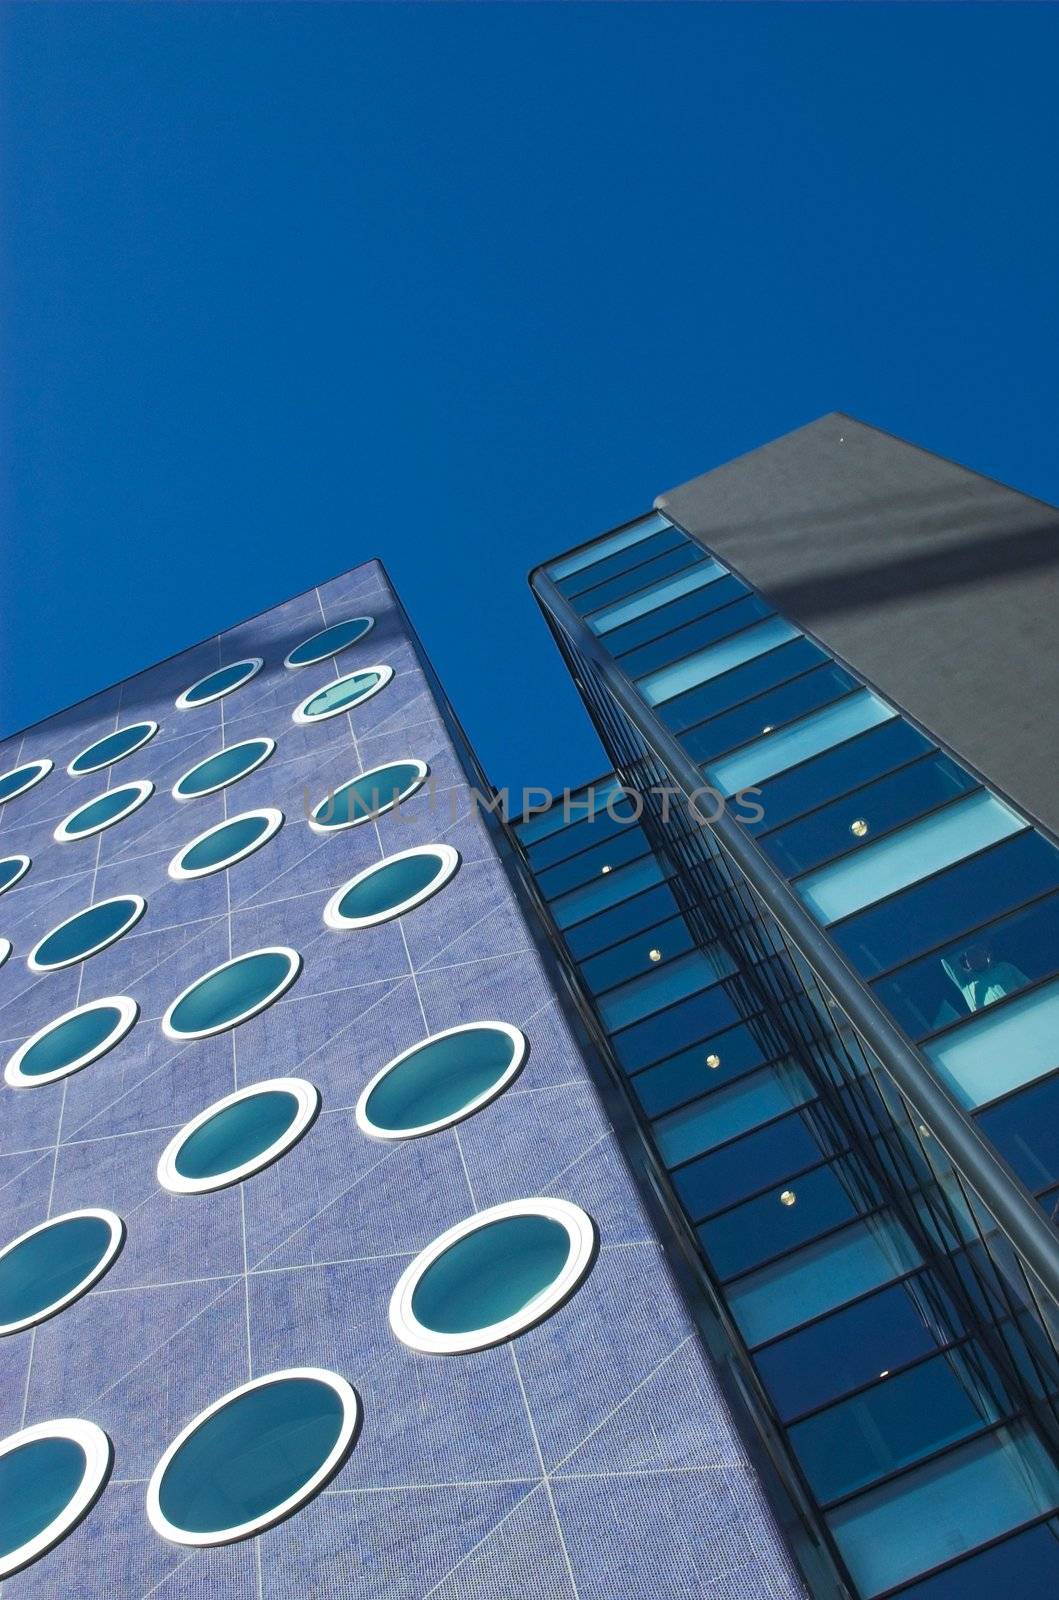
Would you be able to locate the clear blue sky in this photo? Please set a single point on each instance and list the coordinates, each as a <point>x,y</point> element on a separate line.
<point>286,287</point>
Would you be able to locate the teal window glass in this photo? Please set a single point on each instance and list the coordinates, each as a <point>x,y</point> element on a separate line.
<point>656,595</point>
<point>847,766</point>
<point>904,857</point>
<point>711,662</point>
<point>329,641</point>
<point>491,1274</point>
<point>748,1165</point>
<point>440,1078</point>
<point>71,1039</point>
<point>661,987</point>
<point>729,689</point>
<point>345,692</point>
<point>696,635</point>
<point>664,556</point>
<point>114,747</point>
<point>935,1512</point>
<point>668,1031</point>
<point>108,808</point>
<point>806,693</point>
<point>1000,1050</point>
<point>615,851</point>
<point>606,891</point>
<point>11,869</point>
<point>252,1455</point>
<point>609,927</point>
<point>37,1481</point>
<point>221,682</point>
<point>664,942</point>
<point>722,591</point>
<point>759,1229</point>
<point>49,1265</point>
<point>592,554</point>
<point>388,886</point>
<point>87,931</point>
<point>730,1111</point>
<point>367,795</point>
<point>226,840</point>
<point>237,989</point>
<point>20,779</point>
<point>236,1134</point>
<point>226,767</point>
<point>820,731</point>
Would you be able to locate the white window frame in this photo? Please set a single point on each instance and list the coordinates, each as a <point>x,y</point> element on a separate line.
<point>99,1458</point>
<point>144,790</point>
<point>298,666</point>
<point>423,772</point>
<point>214,788</point>
<point>307,1103</point>
<point>43,766</point>
<point>183,703</point>
<point>105,1262</point>
<point>74,771</point>
<point>303,719</point>
<point>20,874</point>
<point>449,858</point>
<point>273,820</point>
<point>293,973</point>
<point>139,905</point>
<point>128,1013</point>
<point>519,1052</point>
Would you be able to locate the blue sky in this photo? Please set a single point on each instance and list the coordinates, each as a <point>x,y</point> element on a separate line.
<point>286,287</point>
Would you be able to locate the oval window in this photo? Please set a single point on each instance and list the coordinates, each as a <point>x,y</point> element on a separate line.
<point>115,747</point>
<point>71,1042</point>
<point>87,932</point>
<point>19,779</point>
<point>226,843</point>
<point>226,767</point>
<point>232,993</point>
<point>54,1264</point>
<point>238,1136</point>
<point>329,641</point>
<point>442,1080</point>
<point>392,886</point>
<point>50,1476</point>
<point>253,1457</point>
<point>493,1276</point>
<point>12,868</point>
<point>105,811</point>
<point>368,796</point>
<point>343,694</point>
<point>215,685</point>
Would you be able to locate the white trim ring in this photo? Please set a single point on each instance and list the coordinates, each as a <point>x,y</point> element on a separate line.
<point>449,858</point>
<point>19,875</point>
<point>128,1012</point>
<point>140,788</point>
<point>74,771</point>
<point>139,905</point>
<point>296,666</point>
<point>261,739</point>
<point>99,1458</point>
<point>422,773</point>
<point>43,766</point>
<point>519,1052</point>
<point>294,968</point>
<point>106,1260</point>
<point>273,823</point>
<point>301,715</point>
<point>183,703</point>
<point>307,1104</point>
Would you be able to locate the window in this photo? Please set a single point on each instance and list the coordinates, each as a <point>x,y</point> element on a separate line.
<point>226,843</point>
<point>590,555</point>
<point>226,767</point>
<point>820,731</point>
<point>55,1263</point>
<point>238,1136</point>
<point>232,993</point>
<point>71,1042</point>
<point>441,1080</point>
<point>86,933</point>
<point>493,1276</point>
<point>104,812</point>
<point>215,685</point>
<point>656,595</point>
<point>696,635</point>
<point>329,641</point>
<point>392,886</point>
<point>342,695</point>
<point>19,779</point>
<point>715,659</point>
<point>1000,1050</point>
<point>115,747</point>
<point>12,870</point>
<point>368,796</point>
<point>50,1477</point>
<point>808,692</point>
<point>253,1457</point>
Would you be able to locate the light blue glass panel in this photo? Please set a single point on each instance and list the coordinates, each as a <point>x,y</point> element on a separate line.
<point>821,1276</point>
<point>608,547</point>
<point>717,658</point>
<point>641,996</point>
<point>908,855</point>
<point>659,594</point>
<point>607,890</point>
<point>726,1113</point>
<point>813,734</point>
<point>564,812</point>
<point>1002,1049</point>
<point>929,1515</point>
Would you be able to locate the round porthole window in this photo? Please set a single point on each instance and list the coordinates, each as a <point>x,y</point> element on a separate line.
<point>238,1135</point>
<point>12,868</point>
<point>253,1457</point>
<point>392,886</point>
<point>226,843</point>
<point>343,694</point>
<point>19,779</point>
<point>105,811</point>
<point>329,641</point>
<point>115,747</point>
<point>232,993</point>
<point>50,1476</point>
<point>368,796</point>
<point>86,933</point>
<point>55,1263</point>
<point>493,1276</point>
<point>442,1080</point>
<point>71,1042</point>
<point>215,685</point>
<point>226,767</point>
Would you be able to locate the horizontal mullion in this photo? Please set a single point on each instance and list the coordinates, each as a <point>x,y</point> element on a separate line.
<point>689,622</point>
<point>923,1461</point>
<point>928,878</point>
<point>845,794</point>
<point>689,655</point>
<point>976,927</point>
<point>1009,1094</point>
<point>778,727</point>
<point>705,1039</point>
<point>762,694</point>
<point>897,1590</point>
<point>887,833</point>
<point>992,1010</point>
<point>844,1305</point>
<point>873,1383</point>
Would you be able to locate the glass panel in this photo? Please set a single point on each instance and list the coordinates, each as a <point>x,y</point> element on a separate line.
<point>932,1513</point>
<point>908,855</point>
<point>699,603</point>
<point>50,1264</point>
<point>608,927</point>
<point>691,1073</point>
<point>491,1274</point>
<point>558,816</point>
<point>694,635</point>
<point>975,972</point>
<point>815,733</point>
<point>605,890</point>
<point>748,1165</point>
<point>659,558</point>
<point>633,956</point>
<point>813,689</point>
<point>845,767</point>
<point>1002,1049</point>
<point>387,886</point>
<point>439,1078</point>
<point>667,1032</point>
<point>221,998</point>
<point>38,1480</point>
<point>592,554</point>
<point>820,1277</point>
<point>642,996</point>
<point>616,851</point>
<point>899,797</point>
<point>730,689</point>
<point>656,595</point>
<point>710,663</point>
<point>770,1226</point>
<point>962,897</point>
<point>1025,1129</point>
<point>1025,1564</point>
<point>236,1134</point>
<point>726,1113</point>
<point>579,835</point>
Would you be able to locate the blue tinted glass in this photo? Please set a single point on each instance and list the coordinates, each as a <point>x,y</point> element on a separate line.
<point>1000,1050</point>
<point>344,692</point>
<point>224,768</point>
<point>581,832</point>
<point>591,555</point>
<point>113,747</point>
<point>616,851</point>
<point>668,682</point>
<point>667,1032</point>
<point>440,1078</point>
<point>608,927</point>
<point>605,891</point>
<point>72,939</point>
<point>69,1041</point>
<point>237,1134</point>
<point>748,1165</point>
<point>799,741</point>
<point>219,1000</point>
<point>689,1074</point>
<point>760,1229</point>
<point>633,956</point>
<point>11,869</point>
<point>99,812</point>
<point>20,778</point>
<point>37,1481</point>
<point>630,571</point>
<point>366,795</point>
<point>752,678</point>
<point>388,886</point>
<point>220,682</point>
<point>1025,1564</point>
<point>1025,1129</point>
<point>661,986</point>
<point>849,765</point>
<point>251,1455</point>
<point>728,1112</point>
<point>897,798</point>
<point>584,803</point>
<point>963,897</point>
<point>694,635</point>
<point>491,1274</point>
<point>813,689</point>
<point>49,1265</point>
<point>224,841</point>
<point>665,605</point>
<point>329,641</point>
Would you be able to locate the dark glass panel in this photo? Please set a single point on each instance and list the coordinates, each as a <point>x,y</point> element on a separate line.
<point>730,688</point>
<point>808,693</point>
<point>1023,1567</point>
<point>843,767</point>
<point>620,921</point>
<point>689,1074</point>
<point>740,1169</point>
<point>689,606</point>
<point>668,1031</point>
<point>632,957</point>
<point>613,852</point>
<point>633,555</point>
<point>581,832</point>
<point>1025,1129</point>
<point>696,635</point>
<point>676,558</point>
<point>760,1229</point>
